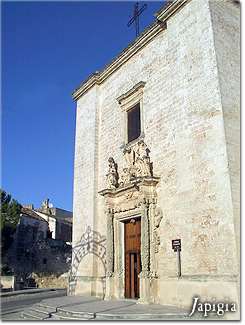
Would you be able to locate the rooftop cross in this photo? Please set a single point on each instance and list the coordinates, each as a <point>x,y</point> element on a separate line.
<point>135,18</point>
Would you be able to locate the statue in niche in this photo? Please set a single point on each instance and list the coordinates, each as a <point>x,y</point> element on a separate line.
<point>138,163</point>
<point>129,156</point>
<point>112,175</point>
<point>124,177</point>
<point>129,172</point>
<point>142,162</point>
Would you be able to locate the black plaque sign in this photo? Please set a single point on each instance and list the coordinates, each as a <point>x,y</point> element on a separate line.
<point>176,245</point>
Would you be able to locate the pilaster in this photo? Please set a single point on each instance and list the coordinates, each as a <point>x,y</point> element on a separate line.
<point>110,254</point>
<point>145,255</point>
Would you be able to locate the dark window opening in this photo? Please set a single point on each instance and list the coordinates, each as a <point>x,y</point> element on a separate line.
<point>134,128</point>
<point>44,261</point>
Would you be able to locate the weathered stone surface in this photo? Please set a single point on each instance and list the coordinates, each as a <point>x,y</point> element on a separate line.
<point>190,122</point>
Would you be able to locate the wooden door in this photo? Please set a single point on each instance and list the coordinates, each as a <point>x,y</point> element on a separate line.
<point>132,229</point>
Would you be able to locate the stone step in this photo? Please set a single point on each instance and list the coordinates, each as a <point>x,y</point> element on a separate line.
<point>53,317</point>
<point>59,316</point>
<point>33,314</point>
<point>46,309</point>
<point>101,310</point>
<point>143,317</point>
<point>67,314</point>
<point>96,312</point>
<point>39,311</point>
<point>26,316</point>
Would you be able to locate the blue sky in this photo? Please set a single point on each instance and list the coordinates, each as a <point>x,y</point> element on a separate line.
<point>48,48</point>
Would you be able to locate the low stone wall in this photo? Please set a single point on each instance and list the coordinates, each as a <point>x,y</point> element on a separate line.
<point>7,283</point>
<point>51,281</point>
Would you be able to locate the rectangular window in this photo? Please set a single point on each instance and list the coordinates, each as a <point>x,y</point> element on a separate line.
<point>134,128</point>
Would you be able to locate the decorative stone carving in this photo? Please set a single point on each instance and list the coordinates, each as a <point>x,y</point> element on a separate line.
<point>112,175</point>
<point>121,272</point>
<point>127,201</point>
<point>142,160</point>
<point>129,155</point>
<point>138,163</point>
<point>134,196</point>
<point>110,244</point>
<point>153,267</point>
<point>145,240</point>
<point>157,221</point>
<point>46,206</point>
<point>125,177</point>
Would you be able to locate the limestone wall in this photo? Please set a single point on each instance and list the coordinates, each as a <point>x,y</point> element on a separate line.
<point>185,118</point>
<point>84,190</point>
<point>226,29</point>
<point>85,187</point>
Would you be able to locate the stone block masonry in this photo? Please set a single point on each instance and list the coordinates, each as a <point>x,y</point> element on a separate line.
<point>190,123</point>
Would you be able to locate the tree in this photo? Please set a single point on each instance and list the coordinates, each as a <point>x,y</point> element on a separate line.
<point>10,216</point>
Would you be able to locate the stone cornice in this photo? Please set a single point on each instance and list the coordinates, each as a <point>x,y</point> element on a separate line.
<point>167,11</point>
<point>123,57</point>
<point>134,184</point>
<point>130,92</point>
<point>152,31</point>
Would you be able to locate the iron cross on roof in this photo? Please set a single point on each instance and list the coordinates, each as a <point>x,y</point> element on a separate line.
<point>135,18</point>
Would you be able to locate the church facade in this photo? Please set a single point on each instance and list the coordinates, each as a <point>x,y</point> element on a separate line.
<point>157,163</point>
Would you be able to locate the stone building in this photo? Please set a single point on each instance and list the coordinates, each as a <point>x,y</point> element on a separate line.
<point>59,220</point>
<point>30,229</point>
<point>157,159</point>
<point>42,245</point>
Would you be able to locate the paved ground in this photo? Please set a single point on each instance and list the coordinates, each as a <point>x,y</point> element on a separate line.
<point>85,308</point>
<point>13,306</point>
<point>62,307</point>
<point>11,310</point>
<point>95,305</point>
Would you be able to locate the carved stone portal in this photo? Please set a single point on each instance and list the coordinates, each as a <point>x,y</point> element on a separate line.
<point>133,196</point>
